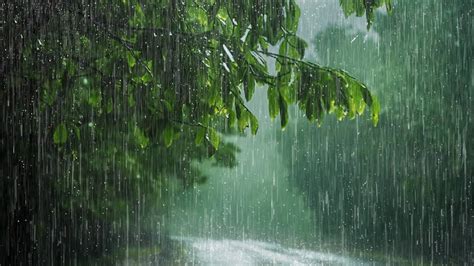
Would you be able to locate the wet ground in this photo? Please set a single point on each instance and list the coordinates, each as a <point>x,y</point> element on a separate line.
<point>201,251</point>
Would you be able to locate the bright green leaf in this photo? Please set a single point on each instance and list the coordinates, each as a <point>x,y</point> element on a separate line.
<point>146,78</point>
<point>213,138</point>
<point>200,135</point>
<point>375,108</point>
<point>131,59</point>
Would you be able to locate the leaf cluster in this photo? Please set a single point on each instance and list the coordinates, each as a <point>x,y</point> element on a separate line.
<point>166,65</point>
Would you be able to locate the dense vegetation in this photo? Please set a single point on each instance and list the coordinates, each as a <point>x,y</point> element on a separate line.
<point>106,102</point>
<point>406,186</point>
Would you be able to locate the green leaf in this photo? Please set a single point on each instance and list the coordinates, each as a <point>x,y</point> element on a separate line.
<point>253,124</point>
<point>249,86</point>
<point>243,120</point>
<point>388,4</point>
<point>146,78</point>
<point>231,119</point>
<point>273,104</point>
<point>167,105</point>
<point>213,138</point>
<point>293,17</point>
<point>60,134</point>
<point>283,47</point>
<point>110,106</point>
<point>168,135</point>
<point>131,100</point>
<point>200,135</point>
<point>375,108</point>
<point>257,62</point>
<point>300,46</point>
<point>131,59</point>
<point>142,140</point>
<point>283,112</point>
<point>138,18</point>
<point>94,98</point>
<point>263,43</point>
<point>361,7</point>
<point>340,113</point>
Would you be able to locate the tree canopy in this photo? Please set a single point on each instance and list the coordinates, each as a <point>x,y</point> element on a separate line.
<point>170,64</point>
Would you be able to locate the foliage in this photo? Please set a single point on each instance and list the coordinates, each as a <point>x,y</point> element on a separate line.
<point>101,88</point>
<point>189,63</point>
<point>366,7</point>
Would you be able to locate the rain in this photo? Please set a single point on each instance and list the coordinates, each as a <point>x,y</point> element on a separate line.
<point>212,132</point>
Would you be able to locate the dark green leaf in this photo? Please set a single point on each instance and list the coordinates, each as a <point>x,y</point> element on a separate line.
<point>273,102</point>
<point>141,139</point>
<point>253,124</point>
<point>60,134</point>
<point>168,135</point>
<point>283,112</point>
<point>249,86</point>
